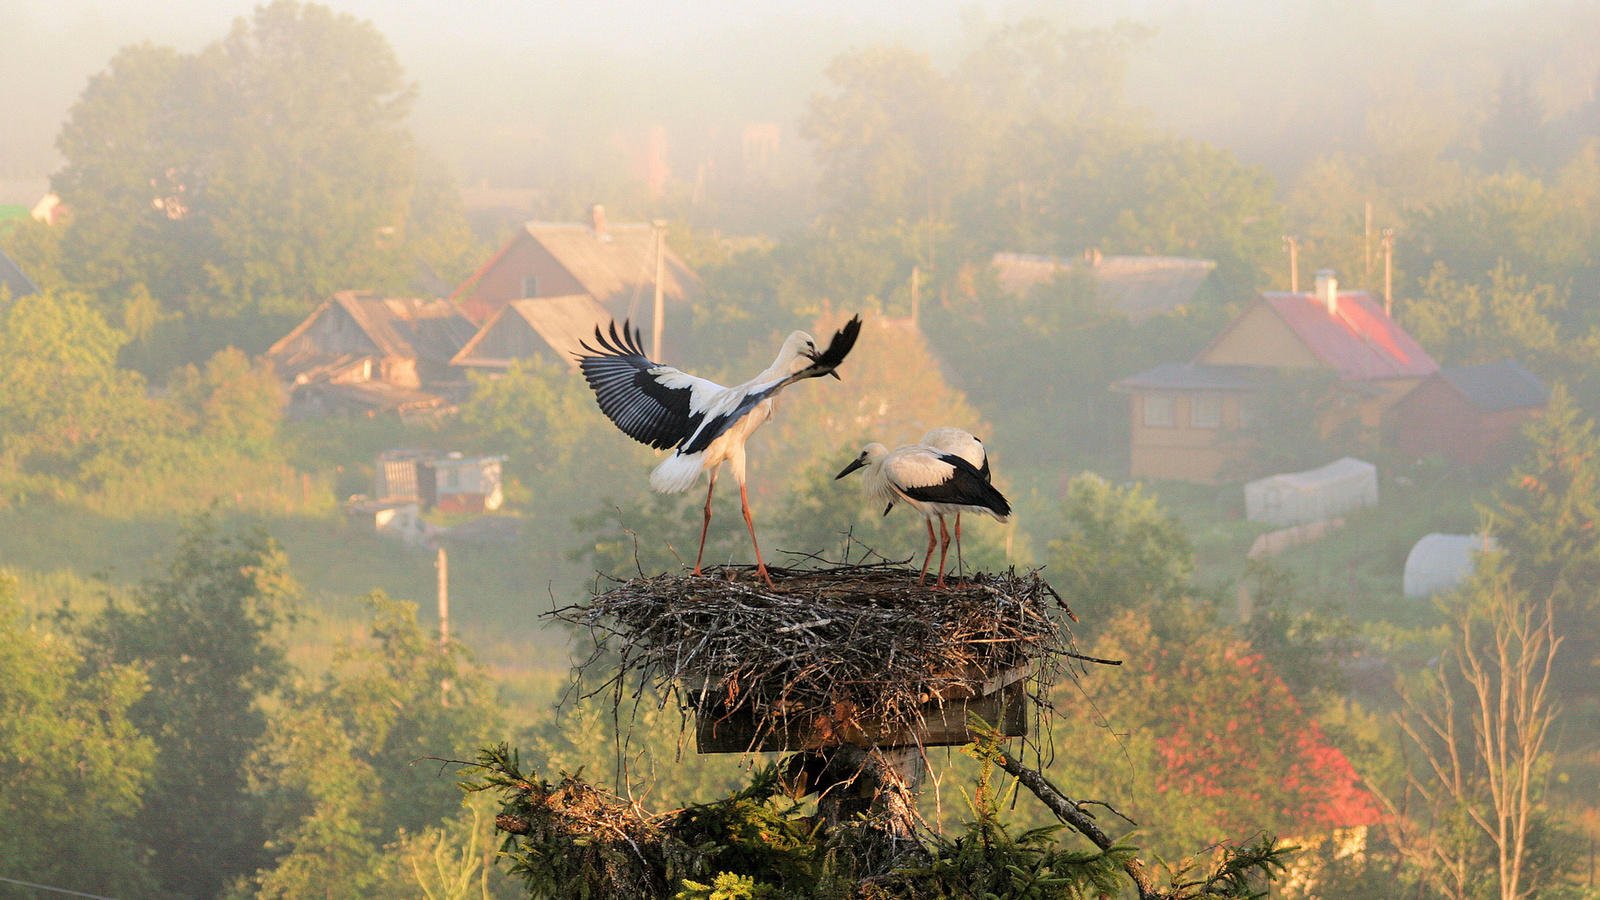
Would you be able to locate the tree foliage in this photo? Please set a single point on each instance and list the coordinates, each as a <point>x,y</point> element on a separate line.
<point>352,764</point>
<point>206,633</point>
<point>1118,548</point>
<point>73,769</point>
<point>262,173</point>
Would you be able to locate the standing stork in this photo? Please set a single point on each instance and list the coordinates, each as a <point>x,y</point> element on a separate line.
<point>702,422</point>
<point>965,444</point>
<point>934,484</point>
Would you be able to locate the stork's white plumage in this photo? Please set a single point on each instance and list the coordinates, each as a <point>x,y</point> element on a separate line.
<point>934,484</point>
<point>965,444</point>
<point>702,422</point>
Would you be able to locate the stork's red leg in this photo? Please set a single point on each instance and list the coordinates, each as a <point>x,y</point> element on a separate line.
<point>960,568</point>
<point>923,578</point>
<point>761,567</point>
<point>944,548</point>
<point>706,525</point>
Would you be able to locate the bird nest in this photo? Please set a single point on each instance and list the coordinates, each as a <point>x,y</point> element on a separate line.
<point>848,654</point>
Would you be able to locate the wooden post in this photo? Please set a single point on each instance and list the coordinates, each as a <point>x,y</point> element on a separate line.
<point>660,307</point>
<point>916,293</point>
<point>1366,244</point>
<point>1388,271</point>
<point>880,784</point>
<point>442,564</point>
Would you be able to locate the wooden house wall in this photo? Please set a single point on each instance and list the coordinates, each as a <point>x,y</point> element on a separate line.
<point>1259,338</point>
<point>503,281</point>
<point>334,333</point>
<point>1183,451</point>
<point>1435,419</point>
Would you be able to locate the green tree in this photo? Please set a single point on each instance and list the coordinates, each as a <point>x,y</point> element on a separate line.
<point>63,401</point>
<point>206,633</point>
<point>233,401</point>
<point>1547,519</point>
<point>352,763</point>
<point>135,167</point>
<point>72,766</point>
<point>262,173</point>
<point>1118,549</point>
<point>890,140</point>
<point>1464,322</point>
<point>1512,218</point>
<point>313,163</point>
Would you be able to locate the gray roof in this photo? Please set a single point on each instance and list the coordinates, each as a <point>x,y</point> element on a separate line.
<point>1193,377</point>
<point>12,278</point>
<point>1137,286</point>
<point>1497,385</point>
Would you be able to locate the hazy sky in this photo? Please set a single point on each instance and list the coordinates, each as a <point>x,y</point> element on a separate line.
<point>1256,75</point>
<point>471,58</point>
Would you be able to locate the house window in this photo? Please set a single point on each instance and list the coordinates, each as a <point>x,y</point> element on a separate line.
<point>1207,411</point>
<point>1158,412</point>
<point>530,285</point>
<point>1247,413</point>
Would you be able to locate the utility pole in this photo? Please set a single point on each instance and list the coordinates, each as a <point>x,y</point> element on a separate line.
<point>1388,271</point>
<point>1293,244</point>
<point>660,226</point>
<point>1366,245</point>
<point>442,565</point>
<point>916,292</point>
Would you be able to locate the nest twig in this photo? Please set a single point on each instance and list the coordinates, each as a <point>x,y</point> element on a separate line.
<point>863,647</point>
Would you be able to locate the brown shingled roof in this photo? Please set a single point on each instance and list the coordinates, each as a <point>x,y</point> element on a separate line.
<point>616,267</point>
<point>561,322</point>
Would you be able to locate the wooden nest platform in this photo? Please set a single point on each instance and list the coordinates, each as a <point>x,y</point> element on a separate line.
<point>857,655</point>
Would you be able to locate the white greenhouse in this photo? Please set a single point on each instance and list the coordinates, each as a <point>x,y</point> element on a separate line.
<point>1296,498</point>
<point>1441,562</point>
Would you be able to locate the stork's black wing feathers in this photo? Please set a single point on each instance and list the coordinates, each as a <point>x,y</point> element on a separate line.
<point>829,359</point>
<point>646,409</point>
<point>965,487</point>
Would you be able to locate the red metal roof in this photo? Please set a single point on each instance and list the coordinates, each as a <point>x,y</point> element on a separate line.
<point>1359,341</point>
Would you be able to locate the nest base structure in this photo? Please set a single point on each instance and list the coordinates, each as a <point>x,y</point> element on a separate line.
<point>847,656</point>
<point>1002,703</point>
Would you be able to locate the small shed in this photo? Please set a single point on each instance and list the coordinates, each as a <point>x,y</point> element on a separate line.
<point>1295,498</point>
<point>1468,414</point>
<point>395,476</point>
<point>1443,562</point>
<point>458,483</point>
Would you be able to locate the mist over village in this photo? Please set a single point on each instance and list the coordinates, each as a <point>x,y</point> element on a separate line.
<point>1016,450</point>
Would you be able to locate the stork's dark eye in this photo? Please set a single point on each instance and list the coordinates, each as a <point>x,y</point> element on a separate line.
<point>810,345</point>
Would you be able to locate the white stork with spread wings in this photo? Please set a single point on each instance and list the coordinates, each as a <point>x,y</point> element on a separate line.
<point>702,422</point>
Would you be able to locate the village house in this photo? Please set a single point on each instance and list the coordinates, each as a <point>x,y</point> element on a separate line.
<point>362,353</point>
<point>1468,415</point>
<point>616,265</point>
<point>1136,286</point>
<point>1190,421</point>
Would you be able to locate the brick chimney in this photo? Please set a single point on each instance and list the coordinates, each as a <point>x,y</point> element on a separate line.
<point>597,218</point>
<point>1328,291</point>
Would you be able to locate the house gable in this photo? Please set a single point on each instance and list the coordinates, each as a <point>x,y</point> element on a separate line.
<point>552,327</point>
<point>615,265</point>
<point>1259,337</point>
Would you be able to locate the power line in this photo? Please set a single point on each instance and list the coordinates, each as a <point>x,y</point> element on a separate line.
<point>58,890</point>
